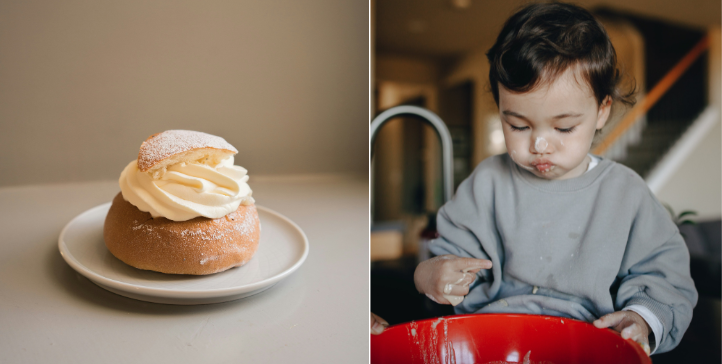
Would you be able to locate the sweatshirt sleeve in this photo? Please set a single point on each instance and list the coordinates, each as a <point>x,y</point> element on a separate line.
<point>467,228</point>
<point>655,272</point>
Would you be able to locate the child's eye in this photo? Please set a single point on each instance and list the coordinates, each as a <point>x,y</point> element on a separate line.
<point>567,130</point>
<point>516,128</point>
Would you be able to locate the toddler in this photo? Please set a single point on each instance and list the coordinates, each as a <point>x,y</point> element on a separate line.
<point>548,228</point>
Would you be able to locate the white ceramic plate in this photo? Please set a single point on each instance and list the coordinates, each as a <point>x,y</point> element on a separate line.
<point>282,249</point>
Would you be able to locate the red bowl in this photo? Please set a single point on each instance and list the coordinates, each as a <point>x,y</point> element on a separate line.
<point>503,338</point>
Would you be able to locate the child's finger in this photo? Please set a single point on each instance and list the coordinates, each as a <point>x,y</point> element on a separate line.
<point>454,300</point>
<point>469,264</point>
<point>461,279</point>
<point>634,333</point>
<point>456,290</point>
<point>378,325</point>
<point>440,300</point>
<point>631,332</point>
<point>639,337</point>
<point>379,319</point>
<point>468,279</point>
<point>464,279</point>
<point>608,320</point>
<point>377,328</point>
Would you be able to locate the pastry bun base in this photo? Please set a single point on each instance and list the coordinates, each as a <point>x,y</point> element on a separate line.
<point>198,246</point>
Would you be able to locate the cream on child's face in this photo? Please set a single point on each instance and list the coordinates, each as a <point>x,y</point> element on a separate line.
<point>550,129</point>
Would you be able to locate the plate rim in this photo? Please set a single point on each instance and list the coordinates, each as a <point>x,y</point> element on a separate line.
<point>176,293</point>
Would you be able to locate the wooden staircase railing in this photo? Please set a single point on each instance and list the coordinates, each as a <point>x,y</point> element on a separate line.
<point>652,97</point>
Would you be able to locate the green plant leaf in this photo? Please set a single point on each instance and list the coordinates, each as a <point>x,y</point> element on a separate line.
<point>687,222</point>
<point>685,213</point>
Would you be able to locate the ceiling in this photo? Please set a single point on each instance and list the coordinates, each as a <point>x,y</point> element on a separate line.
<point>434,28</point>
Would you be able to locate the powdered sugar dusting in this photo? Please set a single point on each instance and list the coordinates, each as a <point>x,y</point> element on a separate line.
<point>204,234</point>
<point>205,260</point>
<point>247,227</point>
<point>170,142</point>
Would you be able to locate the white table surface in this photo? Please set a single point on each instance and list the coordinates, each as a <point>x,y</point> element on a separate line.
<point>319,314</point>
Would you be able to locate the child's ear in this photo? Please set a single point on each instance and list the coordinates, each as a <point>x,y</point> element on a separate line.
<point>604,111</point>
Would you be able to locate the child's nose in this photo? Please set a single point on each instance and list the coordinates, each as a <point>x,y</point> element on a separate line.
<point>539,145</point>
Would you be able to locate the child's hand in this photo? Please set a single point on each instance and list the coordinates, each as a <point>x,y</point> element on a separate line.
<point>629,324</point>
<point>378,325</point>
<point>447,275</point>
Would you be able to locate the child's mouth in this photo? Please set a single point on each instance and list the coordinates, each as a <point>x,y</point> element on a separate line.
<point>543,166</point>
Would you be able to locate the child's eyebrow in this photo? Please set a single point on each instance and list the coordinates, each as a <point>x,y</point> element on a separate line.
<point>560,116</point>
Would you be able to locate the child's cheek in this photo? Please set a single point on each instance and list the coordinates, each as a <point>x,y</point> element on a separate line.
<point>574,151</point>
<point>517,143</point>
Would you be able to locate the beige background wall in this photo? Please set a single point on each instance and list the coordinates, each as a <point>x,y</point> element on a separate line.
<point>83,83</point>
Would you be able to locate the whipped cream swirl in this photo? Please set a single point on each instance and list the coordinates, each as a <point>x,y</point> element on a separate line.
<point>187,190</point>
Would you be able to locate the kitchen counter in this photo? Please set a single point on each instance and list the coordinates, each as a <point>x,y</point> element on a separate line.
<point>319,314</point>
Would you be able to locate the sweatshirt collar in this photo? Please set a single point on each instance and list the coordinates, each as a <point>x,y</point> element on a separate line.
<point>565,185</point>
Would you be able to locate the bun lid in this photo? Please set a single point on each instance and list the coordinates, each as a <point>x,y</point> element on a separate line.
<point>174,146</point>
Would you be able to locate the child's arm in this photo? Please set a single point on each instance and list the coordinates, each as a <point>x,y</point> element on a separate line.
<point>467,229</point>
<point>655,273</point>
<point>466,224</point>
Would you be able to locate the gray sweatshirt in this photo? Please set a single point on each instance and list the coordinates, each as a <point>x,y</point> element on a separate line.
<point>580,248</point>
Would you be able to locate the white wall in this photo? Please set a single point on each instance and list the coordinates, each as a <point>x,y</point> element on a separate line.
<point>83,83</point>
<point>697,184</point>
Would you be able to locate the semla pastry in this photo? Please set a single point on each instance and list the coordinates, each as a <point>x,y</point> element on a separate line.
<point>184,207</point>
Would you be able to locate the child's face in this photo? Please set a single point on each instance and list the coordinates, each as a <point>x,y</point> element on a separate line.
<point>550,129</point>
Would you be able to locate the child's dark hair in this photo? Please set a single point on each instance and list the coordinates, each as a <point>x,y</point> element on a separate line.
<point>541,41</point>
